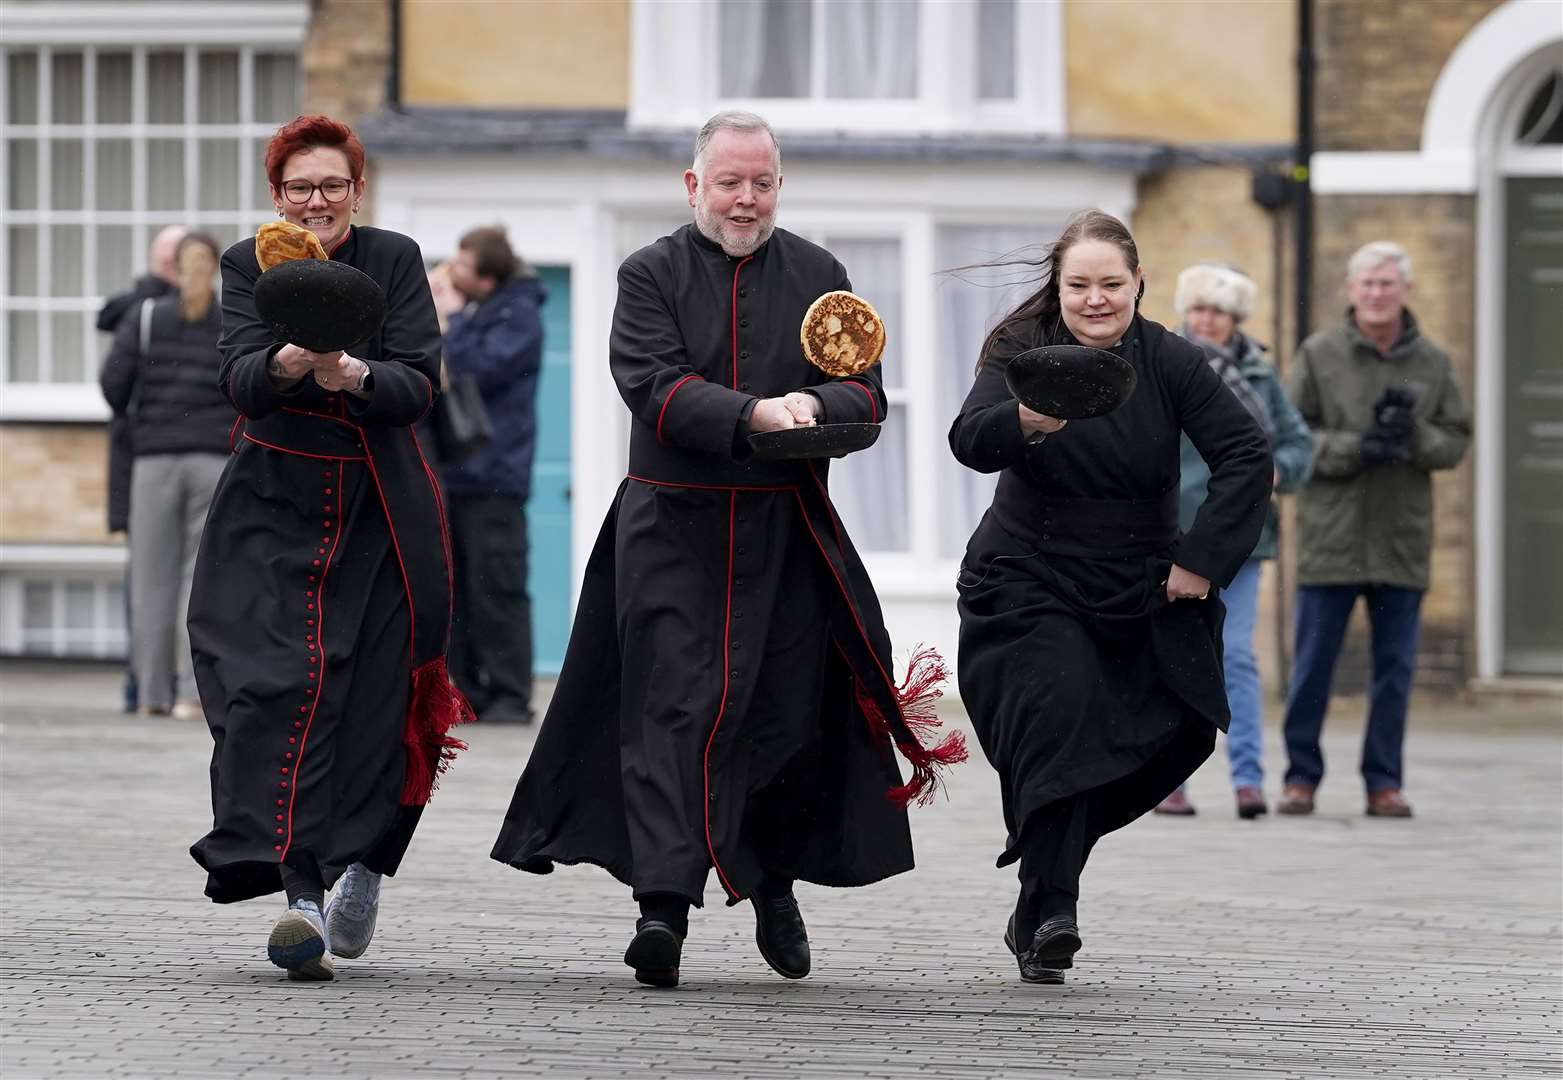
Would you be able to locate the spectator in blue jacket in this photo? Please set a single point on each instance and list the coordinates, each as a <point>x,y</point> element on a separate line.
<point>1213,300</point>
<point>496,338</point>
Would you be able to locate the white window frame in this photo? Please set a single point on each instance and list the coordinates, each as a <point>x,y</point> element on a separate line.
<point>674,76</point>
<point>100,565</point>
<point>240,25</point>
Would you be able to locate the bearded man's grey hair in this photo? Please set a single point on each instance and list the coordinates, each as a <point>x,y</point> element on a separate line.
<point>1379,252</point>
<point>733,120</point>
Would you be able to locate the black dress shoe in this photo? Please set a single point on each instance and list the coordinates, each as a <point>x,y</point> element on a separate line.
<point>1056,942</point>
<point>779,931</point>
<point>654,953</point>
<point>1030,970</point>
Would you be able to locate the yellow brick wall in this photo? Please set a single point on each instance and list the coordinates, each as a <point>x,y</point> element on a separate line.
<point>347,53</point>
<point>1376,64</point>
<point>1190,215</point>
<point>1181,71</point>
<point>53,483</point>
<point>537,54</point>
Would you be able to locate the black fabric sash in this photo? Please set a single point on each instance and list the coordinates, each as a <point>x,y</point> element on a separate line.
<point>1098,528</point>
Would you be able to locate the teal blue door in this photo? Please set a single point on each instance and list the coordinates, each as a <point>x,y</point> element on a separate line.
<point>548,510</point>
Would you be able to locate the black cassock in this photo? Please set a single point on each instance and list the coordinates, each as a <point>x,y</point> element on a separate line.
<point>726,699</point>
<point>1078,675</point>
<point>320,607</point>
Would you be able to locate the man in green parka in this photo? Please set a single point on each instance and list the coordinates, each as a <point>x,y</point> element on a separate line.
<point>1386,410</point>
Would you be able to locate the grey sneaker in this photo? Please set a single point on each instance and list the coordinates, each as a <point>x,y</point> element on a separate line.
<point>300,943</point>
<point>352,911</point>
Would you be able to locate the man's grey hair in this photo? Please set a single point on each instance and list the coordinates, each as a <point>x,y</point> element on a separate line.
<point>733,120</point>
<point>1379,252</point>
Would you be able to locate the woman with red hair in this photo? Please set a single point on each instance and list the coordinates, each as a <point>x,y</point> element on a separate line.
<point>321,603</point>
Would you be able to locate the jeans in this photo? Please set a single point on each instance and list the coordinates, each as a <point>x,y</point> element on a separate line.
<point>1245,736</point>
<point>1394,619</point>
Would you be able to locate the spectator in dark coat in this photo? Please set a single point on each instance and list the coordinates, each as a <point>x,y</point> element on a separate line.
<point>496,339</point>
<point>161,279</point>
<point>164,364</point>
<point>1387,411</point>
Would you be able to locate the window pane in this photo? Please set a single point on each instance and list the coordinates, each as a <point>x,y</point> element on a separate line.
<point>995,61</point>
<point>68,351</point>
<point>114,607</point>
<point>165,88</point>
<point>22,174</point>
<point>875,269</point>
<point>37,605</point>
<point>219,88</point>
<point>114,181</point>
<point>22,268</point>
<point>260,190</point>
<point>115,265</point>
<point>219,174</point>
<point>766,48</point>
<point>65,174</point>
<point>22,348</point>
<point>226,235</point>
<point>65,261</point>
<point>276,88</point>
<point>165,174</point>
<point>1542,124</point>
<point>968,306</point>
<point>78,605</point>
<point>870,49</point>
<point>66,78</point>
<point>22,87</point>
<point>869,490</point>
<point>114,88</point>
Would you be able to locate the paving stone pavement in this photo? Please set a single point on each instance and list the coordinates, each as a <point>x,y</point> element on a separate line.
<point>1332,946</point>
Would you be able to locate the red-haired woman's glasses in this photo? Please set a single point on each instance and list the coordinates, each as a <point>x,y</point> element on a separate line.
<point>333,190</point>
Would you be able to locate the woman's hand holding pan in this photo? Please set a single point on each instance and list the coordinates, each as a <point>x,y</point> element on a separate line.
<point>1034,423</point>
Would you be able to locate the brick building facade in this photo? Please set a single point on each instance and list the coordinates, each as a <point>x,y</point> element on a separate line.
<point>575,161</point>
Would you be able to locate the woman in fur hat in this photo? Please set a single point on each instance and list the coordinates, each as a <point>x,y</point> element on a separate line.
<point>1213,300</point>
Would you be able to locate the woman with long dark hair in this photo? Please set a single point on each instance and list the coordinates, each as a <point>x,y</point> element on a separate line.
<point>1090,648</point>
<point>321,606</point>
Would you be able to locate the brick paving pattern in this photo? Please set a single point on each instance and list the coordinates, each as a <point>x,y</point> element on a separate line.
<point>1335,946</point>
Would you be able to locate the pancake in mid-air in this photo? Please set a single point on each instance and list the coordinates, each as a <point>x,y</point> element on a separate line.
<point>278,242</point>
<point>842,334</point>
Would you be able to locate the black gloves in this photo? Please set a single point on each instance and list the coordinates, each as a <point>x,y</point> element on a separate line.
<point>1388,438</point>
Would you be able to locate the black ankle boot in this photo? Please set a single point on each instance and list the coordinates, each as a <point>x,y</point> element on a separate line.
<point>779,931</point>
<point>654,953</point>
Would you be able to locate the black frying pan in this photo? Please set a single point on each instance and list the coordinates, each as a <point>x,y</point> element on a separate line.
<point>1070,382</point>
<point>815,441</point>
<point>322,306</point>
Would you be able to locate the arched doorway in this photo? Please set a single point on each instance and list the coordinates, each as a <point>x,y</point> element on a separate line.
<point>1520,374</point>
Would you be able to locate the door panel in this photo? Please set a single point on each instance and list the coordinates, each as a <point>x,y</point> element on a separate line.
<point>548,510</point>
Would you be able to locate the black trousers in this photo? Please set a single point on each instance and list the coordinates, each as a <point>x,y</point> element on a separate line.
<point>1055,843</point>
<point>491,624</point>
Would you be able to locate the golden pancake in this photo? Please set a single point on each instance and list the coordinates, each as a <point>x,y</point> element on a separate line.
<point>842,334</point>
<point>282,241</point>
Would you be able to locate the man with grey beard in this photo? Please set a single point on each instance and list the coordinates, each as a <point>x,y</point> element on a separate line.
<point>726,701</point>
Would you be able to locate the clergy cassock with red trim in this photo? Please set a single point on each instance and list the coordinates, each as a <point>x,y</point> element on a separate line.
<point>727,699</point>
<point>320,607</point>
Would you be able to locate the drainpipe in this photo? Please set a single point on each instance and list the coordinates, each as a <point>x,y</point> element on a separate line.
<point>1302,191</point>
<point>393,74</point>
